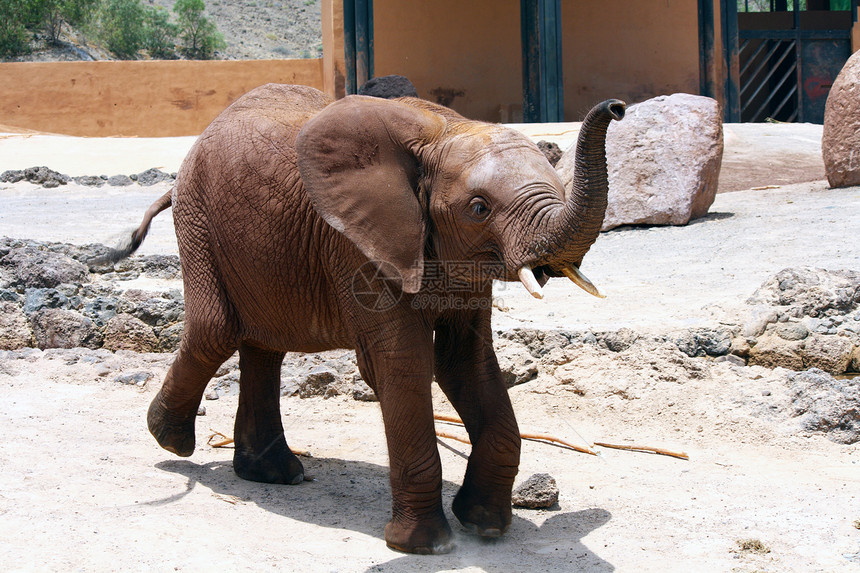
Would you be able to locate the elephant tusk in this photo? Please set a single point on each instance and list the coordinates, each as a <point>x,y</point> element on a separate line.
<point>581,281</point>
<point>527,277</point>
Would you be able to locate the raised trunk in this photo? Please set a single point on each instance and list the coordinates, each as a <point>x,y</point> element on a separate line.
<point>578,224</point>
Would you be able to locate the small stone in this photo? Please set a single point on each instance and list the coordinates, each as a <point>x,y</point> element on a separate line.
<point>119,181</point>
<point>388,87</point>
<point>201,410</point>
<point>361,391</point>
<point>551,150</point>
<point>151,177</point>
<point>89,180</point>
<point>138,379</point>
<point>731,359</point>
<point>792,331</point>
<point>537,492</point>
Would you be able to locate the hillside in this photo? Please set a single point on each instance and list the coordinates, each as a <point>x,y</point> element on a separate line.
<point>253,30</point>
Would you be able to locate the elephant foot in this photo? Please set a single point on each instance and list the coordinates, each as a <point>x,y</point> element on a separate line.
<point>174,433</point>
<point>276,464</point>
<point>422,538</point>
<point>481,517</point>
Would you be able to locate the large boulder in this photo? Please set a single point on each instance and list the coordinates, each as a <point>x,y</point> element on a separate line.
<point>840,142</point>
<point>663,159</point>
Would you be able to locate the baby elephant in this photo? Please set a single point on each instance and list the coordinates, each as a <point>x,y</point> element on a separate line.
<point>306,224</point>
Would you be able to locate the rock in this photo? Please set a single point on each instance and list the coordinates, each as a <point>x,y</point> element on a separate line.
<point>119,181</point>
<point>227,385</point>
<point>36,175</point>
<point>516,362</point>
<point>826,404</point>
<point>60,328</point>
<point>15,331</point>
<point>361,391</point>
<point>663,159</point>
<point>620,340</point>
<point>89,180</point>
<point>169,337</point>
<point>810,292</point>
<point>388,87</point>
<point>138,379</point>
<point>792,331</point>
<point>151,308</point>
<point>840,140</point>
<point>152,176</point>
<point>855,360</point>
<point>832,354</point>
<point>537,492</point>
<point>772,351</point>
<point>551,150</point>
<point>101,309</point>
<point>125,332</point>
<point>320,381</point>
<point>704,342</point>
<point>39,268</point>
<point>731,359</point>
<point>12,176</point>
<point>35,299</point>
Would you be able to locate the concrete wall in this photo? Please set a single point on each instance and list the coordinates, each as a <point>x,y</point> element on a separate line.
<point>612,48</point>
<point>137,98</point>
<point>462,54</point>
<point>628,50</point>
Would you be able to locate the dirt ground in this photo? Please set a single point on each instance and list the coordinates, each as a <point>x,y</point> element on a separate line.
<point>83,485</point>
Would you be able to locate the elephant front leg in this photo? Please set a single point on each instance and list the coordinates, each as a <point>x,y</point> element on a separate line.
<point>261,451</point>
<point>401,379</point>
<point>468,373</point>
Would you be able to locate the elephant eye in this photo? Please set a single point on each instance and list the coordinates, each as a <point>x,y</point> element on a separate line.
<point>478,209</point>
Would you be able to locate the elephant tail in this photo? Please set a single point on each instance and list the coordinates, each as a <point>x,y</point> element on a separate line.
<point>131,244</point>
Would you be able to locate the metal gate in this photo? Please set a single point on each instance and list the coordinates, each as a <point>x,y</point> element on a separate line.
<point>789,52</point>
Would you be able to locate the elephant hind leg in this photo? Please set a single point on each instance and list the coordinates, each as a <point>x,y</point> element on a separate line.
<point>173,411</point>
<point>261,451</point>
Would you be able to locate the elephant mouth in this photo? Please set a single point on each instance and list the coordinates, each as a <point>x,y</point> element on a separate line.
<point>534,279</point>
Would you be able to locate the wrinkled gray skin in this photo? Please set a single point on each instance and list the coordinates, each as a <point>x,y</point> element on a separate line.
<point>294,214</point>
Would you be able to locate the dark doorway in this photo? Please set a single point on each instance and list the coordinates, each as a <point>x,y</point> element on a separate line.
<point>789,53</point>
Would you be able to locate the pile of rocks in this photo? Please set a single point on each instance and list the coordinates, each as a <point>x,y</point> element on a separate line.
<point>804,318</point>
<point>50,298</point>
<point>50,179</point>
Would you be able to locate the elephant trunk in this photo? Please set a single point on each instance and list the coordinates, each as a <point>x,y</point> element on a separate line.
<point>576,225</point>
<point>582,217</point>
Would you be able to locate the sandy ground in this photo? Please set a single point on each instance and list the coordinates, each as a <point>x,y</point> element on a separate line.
<point>83,486</point>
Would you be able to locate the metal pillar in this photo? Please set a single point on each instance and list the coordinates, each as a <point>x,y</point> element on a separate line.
<point>358,42</point>
<point>707,49</point>
<point>543,89</point>
<point>732,105</point>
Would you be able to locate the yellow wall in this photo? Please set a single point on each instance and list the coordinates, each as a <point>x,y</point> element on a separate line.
<point>453,46</point>
<point>628,50</point>
<point>612,48</point>
<point>143,98</point>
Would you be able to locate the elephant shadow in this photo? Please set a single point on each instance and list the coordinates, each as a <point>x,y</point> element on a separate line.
<point>346,483</point>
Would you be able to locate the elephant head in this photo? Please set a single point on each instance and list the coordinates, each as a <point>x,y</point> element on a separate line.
<point>456,189</point>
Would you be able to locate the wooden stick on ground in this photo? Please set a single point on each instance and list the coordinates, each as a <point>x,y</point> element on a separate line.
<point>533,437</point>
<point>556,441</point>
<point>650,450</point>
<point>225,441</point>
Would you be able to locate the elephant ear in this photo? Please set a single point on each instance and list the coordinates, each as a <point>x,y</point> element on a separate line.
<point>360,163</point>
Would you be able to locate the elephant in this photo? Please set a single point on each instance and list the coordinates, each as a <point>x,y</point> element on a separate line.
<point>307,224</point>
